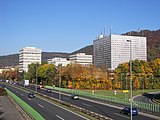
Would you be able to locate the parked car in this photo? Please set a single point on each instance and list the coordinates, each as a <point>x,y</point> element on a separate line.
<point>127,110</point>
<point>31,95</point>
<point>74,97</point>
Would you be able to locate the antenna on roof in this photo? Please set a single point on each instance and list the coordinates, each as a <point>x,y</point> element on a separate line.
<point>138,32</point>
<point>110,30</point>
<point>104,31</point>
<point>142,33</point>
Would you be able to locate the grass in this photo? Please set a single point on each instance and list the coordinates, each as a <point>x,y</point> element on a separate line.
<point>119,93</point>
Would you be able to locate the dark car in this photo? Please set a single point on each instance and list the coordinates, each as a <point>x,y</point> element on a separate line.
<point>49,90</point>
<point>127,110</point>
<point>31,95</point>
<point>74,97</point>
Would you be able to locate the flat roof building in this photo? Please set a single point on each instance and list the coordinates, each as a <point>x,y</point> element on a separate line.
<point>58,61</point>
<point>27,56</point>
<point>110,51</point>
<point>81,58</point>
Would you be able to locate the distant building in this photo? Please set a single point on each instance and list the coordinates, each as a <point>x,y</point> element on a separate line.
<point>81,58</point>
<point>110,51</point>
<point>27,56</point>
<point>58,61</point>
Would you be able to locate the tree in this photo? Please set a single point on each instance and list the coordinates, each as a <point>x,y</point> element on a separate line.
<point>47,72</point>
<point>32,72</point>
<point>156,67</point>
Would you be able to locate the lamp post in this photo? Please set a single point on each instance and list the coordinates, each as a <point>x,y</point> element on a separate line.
<point>130,75</point>
<point>59,82</point>
<point>59,85</point>
<point>36,78</point>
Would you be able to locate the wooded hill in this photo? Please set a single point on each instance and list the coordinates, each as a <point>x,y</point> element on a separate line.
<point>13,60</point>
<point>153,49</point>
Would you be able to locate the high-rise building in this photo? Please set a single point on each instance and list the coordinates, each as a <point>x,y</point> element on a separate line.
<point>81,58</point>
<point>27,56</point>
<point>110,51</point>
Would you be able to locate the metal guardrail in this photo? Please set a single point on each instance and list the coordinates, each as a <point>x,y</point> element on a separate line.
<point>140,105</point>
<point>25,106</point>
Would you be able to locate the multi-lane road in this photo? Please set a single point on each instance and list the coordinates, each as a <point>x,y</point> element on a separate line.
<point>47,109</point>
<point>50,111</point>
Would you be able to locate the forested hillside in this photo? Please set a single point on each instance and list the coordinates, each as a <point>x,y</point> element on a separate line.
<point>12,60</point>
<point>9,60</point>
<point>88,50</point>
<point>153,49</point>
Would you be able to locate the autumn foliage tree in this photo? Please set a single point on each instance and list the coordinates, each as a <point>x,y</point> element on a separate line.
<point>144,74</point>
<point>82,77</point>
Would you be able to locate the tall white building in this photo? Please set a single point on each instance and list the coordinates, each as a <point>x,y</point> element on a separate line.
<point>58,61</point>
<point>27,56</point>
<point>110,51</point>
<point>81,58</point>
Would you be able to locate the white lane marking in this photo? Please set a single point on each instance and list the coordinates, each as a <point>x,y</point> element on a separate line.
<point>65,98</point>
<point>40,105</point>
<point>59,117</point>
<point>86,104</point>
<point>122,115</point>
<point>29,99</point>
<point>64,108</point>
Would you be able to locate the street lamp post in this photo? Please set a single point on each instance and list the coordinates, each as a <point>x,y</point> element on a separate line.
<point>130,75</point>
<point>59,93</point>
<point>36,78</point>
<point>59,86</point>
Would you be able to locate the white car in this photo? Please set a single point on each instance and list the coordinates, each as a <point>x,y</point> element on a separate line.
<point>74,97</point>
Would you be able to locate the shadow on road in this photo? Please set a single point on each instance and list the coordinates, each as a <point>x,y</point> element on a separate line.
<point>152,96</point>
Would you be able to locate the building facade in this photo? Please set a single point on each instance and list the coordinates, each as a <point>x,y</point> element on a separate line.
<point>81,58</point>
<point>58,61</point>
<point>110,51</point>
<point>27,56</point>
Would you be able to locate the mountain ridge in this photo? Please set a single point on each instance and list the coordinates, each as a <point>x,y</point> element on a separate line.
<point>153,49</point>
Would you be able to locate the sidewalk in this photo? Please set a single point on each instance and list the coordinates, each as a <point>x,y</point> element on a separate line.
<point>8,111</point>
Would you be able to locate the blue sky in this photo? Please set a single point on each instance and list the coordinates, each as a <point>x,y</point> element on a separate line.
<point>68,25</point>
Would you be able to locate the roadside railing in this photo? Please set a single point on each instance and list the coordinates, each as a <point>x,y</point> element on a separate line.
<point>140,105</point>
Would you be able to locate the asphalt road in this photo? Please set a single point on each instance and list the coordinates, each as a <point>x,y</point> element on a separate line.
<point>47,109</point>
<point>143,99</point>
<point>102,109</point>
<point>147,97</point>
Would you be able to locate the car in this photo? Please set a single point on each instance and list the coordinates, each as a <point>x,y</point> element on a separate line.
<point>127,110</point>
<point>48,90</point>
<point>74,97</point>
<point>31,95</point>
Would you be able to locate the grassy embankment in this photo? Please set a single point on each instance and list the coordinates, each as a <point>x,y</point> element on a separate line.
<point>119,93</point>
